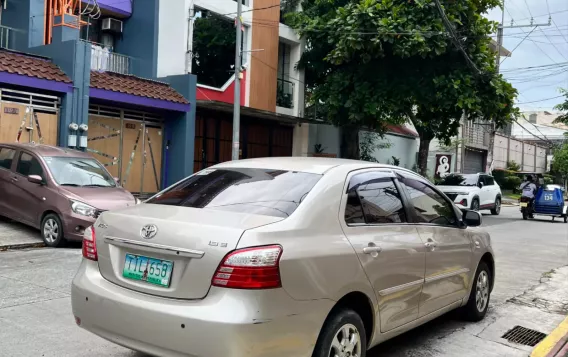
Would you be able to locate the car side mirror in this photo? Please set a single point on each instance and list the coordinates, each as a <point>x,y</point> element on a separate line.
<point>35,179</point>
<point>116,179</point>
<point>480,185</point>
<point>472,218</point>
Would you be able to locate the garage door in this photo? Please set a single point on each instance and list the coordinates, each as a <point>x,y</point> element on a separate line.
<point>129,144</point>
<point>474,162</point>
<point>28,117</point>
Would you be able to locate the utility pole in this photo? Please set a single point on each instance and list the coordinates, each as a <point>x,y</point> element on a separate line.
<point>237,104</point>
<point>500,29</point>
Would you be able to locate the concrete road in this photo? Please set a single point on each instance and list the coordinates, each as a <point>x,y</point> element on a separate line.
<point>36,320</point>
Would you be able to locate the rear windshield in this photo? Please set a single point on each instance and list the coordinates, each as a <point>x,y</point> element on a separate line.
<point>256,191</point>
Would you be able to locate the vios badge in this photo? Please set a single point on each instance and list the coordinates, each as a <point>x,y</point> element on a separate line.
<point>149,231</point>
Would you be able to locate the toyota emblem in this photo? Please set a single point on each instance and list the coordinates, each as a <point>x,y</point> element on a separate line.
<point>149,231</point>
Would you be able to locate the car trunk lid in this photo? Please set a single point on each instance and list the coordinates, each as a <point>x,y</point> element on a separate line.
<point>192,240</point>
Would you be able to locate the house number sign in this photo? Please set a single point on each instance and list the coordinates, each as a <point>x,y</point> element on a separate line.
<point>9,110</point>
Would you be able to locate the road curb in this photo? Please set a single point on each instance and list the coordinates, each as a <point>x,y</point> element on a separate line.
<point>21,246</point>
<point>555,344</point>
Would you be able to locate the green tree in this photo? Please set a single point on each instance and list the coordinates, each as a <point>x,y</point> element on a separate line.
<point>560,162</point>
<point>379,62</point>
<point>563,107</point>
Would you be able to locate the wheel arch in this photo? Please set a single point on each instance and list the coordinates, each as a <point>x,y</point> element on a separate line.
<point>362,305</point>
<point>488,259</point>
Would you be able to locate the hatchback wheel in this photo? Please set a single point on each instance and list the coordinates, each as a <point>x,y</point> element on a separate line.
<point>478,302</point>
<point>475,205</point>
<point>52,231</point>
<point>342,335</point>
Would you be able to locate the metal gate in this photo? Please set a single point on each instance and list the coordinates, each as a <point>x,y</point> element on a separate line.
<point>28,117</point>
<point>129,144</point>
<point>474,161</point>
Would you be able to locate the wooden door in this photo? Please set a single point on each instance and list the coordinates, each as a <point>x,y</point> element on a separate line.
<point>13,117</point>
<point>258,141</point>
<point>152,165</point>
<point>132,155</point>
<point>104,141</point>
<point>45,127</point>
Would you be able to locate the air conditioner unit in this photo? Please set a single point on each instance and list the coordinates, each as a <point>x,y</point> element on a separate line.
<point>112,25</point>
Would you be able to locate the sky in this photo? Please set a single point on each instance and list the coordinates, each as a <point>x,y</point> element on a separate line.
<point>545,46</point>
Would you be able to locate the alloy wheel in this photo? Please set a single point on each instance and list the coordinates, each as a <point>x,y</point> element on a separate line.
<point>482,291</point>
<point>50,230</point>
<point>498,206</point>
<point>346,342</point>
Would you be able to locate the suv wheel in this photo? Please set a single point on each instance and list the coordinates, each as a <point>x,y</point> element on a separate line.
<point>52,231</point>
<point>342,335</point>
<point>497,209</point>
<point>475,204</point>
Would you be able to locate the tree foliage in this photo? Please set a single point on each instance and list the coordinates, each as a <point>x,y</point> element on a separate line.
<point>379,62</point>
<point>563,107</point>
<point>560,161</point>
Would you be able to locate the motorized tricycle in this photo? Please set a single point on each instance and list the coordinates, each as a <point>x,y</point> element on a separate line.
<point>548,201</point>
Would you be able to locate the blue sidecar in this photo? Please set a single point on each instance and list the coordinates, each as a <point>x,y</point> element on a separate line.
<point>549,201</point>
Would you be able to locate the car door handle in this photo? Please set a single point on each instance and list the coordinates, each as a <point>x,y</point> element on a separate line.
<point>430,245</point>
<point>371,250</point>
<point>14,179</point>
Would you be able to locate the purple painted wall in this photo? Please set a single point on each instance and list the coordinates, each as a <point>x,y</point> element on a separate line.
<point>119,7</point>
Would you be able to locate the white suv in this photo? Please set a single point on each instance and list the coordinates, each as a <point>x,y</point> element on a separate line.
<point>473,191</point>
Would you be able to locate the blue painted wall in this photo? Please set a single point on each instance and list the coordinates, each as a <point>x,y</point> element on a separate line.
<point>36,22</point>
<point>74,58</point>
<point>140,38</point>
<point>180,132</point>
<point>17,17</point>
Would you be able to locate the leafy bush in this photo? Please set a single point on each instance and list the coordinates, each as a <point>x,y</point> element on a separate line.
<point>513,166</point>
<point>501,174</point>
<point>511,182</point>
<point>548,180</point>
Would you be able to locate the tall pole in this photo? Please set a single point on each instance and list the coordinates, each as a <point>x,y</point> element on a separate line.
<point>237,104</point>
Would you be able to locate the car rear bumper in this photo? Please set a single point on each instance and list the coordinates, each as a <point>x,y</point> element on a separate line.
<point>226,323</point>
<point>74,225</point>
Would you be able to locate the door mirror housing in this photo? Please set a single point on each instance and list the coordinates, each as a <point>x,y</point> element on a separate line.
<point>116,179</point>
<point>35,179</point>
<point>480,185</point>
<point>472,218</point>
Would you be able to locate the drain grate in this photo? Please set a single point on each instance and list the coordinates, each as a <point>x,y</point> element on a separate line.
<point>524,336</point>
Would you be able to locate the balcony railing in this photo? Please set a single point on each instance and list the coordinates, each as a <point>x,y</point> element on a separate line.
<point>104,60</point>
<point>285,94</point>
<point>6,36</point>
<point>477,133</point>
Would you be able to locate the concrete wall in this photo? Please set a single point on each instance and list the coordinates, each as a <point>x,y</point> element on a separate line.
<point>529,156</point>
<point>328,136</point>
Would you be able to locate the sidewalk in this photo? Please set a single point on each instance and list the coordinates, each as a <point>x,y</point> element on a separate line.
<point>556,343</point>
<point>15,235</point>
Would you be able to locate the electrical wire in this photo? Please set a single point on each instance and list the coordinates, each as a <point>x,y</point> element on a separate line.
<point>542,100</point>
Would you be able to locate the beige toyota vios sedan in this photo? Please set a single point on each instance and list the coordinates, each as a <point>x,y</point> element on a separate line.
<point>281,257</point>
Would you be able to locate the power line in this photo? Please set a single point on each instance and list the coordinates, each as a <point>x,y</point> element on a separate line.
<point>523,40</point>
<point>542,100</point>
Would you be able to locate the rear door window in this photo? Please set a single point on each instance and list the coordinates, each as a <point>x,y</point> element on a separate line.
<point>6,158</point>
<point>373,199</point>
<point>246,190</point>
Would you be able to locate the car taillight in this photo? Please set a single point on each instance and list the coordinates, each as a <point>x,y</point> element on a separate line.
<point>90,244</point>
<point>250,268</point>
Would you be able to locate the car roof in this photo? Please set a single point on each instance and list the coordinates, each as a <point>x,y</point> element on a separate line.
<point>46,150</point>
<point>315,165</point>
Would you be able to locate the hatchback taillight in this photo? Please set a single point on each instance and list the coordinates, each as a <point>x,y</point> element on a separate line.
<point>250,268</point>
<point>90,244</point>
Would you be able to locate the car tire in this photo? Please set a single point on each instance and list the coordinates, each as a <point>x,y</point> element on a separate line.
<point>52,231</point>
<point>475,204</point>
<point>478,302</point>
<point>333,335</point>
<point>497,209</point>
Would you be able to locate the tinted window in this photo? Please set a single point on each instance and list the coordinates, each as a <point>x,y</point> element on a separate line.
<point>257,191</point>
<point>353,209</point>
<point>78,171</point>
<point>29,165</point>
<point>489,181</point>
<point>459,180</point>
<point>381,202</point>
<point>6,157</point>
<point>430,207</point>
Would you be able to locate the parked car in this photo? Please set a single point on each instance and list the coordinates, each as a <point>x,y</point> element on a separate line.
<point>59,191</point>
<point>273,256</point>
<point>473,191</point>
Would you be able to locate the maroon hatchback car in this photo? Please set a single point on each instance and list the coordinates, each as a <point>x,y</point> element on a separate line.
<point>57,190</point>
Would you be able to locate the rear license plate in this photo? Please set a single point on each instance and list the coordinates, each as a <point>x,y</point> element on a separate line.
<point>524,204</point>
<point>150,270</point>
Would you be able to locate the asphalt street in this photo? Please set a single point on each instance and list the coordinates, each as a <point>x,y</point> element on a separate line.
<point>531,291</point>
